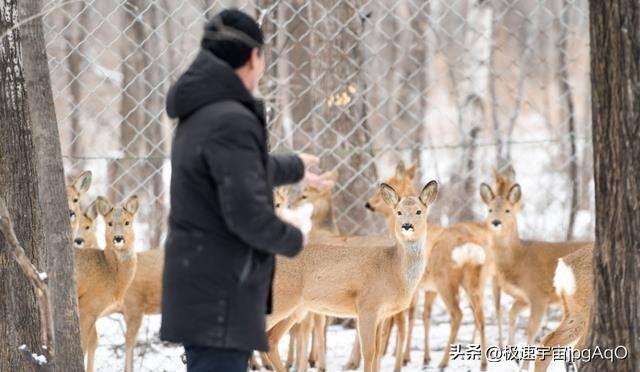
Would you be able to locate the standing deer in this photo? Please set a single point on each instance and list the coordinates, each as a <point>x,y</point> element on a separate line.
<point>324,223</point>
<point>103,276</point>
<point>459,258</point>
<point>370,278</point>
<point>524,268</point>
<point>573,281</point>
<point>75,190</point>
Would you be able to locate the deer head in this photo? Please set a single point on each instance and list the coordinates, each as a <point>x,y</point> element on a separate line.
<point>502,208</point>
<point>85,236</point>
<point>409,212</point>
<point>79,186</point>
<point>119,233</point>
<point>401,181</point>
<point>319,197</point>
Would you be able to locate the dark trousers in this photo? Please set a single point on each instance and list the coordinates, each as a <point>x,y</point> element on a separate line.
<point>208,359</point>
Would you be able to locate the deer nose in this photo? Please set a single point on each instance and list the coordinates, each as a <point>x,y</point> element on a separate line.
<point>79,241</point>
<point>496,223</point>
<point>369,207</point>
<point>407,226</point>
<point>118,239</point>
<point>72,214</point>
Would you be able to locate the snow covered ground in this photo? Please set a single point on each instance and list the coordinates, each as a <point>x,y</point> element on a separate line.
<point>153,355</point>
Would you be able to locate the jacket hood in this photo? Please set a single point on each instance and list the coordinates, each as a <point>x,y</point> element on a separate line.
<point>209,79</point>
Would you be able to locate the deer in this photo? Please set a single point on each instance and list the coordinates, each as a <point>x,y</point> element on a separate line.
<point>323,223</point>
<point>367,277</point>
<point>460,258</point>
<point>142,297</point>
<point>78,187</point>
<point>525,268</point>
<point>103,276</point>
<point>85,235</point>
<point>573,283</point>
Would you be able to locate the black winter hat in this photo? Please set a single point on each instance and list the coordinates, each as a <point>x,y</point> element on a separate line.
<point>231,35</point>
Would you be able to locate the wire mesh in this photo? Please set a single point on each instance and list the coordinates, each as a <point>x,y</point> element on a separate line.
<point>459,87</point>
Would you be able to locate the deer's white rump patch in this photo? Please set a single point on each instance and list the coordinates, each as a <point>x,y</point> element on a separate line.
<point>564,280</point>
<point>468,253</point>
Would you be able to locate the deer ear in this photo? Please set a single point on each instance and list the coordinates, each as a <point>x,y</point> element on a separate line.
<point>515,193</point>
<point>132,204</point>
<point>429,193</point>
<point>103,206</point>
<point>389,195</point>
<point>92,211</point>
<point>411,171</point>
<point>400,168</point>
<point>82,182</point>
<point>486,193</point>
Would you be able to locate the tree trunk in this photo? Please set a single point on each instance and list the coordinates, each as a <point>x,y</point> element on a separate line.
<point>32,182</point>
<point>568,115</point>
<point>615,77</point>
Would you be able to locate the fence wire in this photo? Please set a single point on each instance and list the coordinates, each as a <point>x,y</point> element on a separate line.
<point>459,87</point>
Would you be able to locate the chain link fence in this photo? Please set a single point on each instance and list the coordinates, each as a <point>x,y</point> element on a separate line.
<point>459,87</point>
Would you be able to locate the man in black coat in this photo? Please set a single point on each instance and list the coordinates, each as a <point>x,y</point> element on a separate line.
<point>223,232</point>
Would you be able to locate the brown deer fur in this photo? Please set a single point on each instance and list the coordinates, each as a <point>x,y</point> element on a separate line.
<point>525,268</point>
<point>573,282</point>
<point>103,276</point>
<point>370,278</point>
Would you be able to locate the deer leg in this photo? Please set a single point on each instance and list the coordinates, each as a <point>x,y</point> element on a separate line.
<point>429,297</point>
<point>451,299</point>
<point>320,333</point>
<point>413,309</point>
<point>92,346</point>
<point>495,286</point>
<point>253,362</point>
<point>516,308</point>
<point>294,335</point>
<point>401,339</point>
<point>569,330</point>
<point>266,363</point>
<point>474,287</point>
<point>355,355</point>
<point>275,334</point>
<point>302,347</point>
<point>535,319</point>
<point>133,322</point>
<point>367,329</point>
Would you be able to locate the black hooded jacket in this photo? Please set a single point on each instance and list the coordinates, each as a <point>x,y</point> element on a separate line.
<point>223,232</point>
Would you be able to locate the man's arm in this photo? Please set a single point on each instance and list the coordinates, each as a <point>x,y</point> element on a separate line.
<point>234,159</point>
<point>285,169</point>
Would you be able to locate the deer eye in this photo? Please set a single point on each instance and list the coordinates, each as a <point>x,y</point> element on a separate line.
<point>490,210</point>
<point>126,223</point>
<point>399,213</point>
<point>110,223</point>
<point>507,210</point>
<point>75,200</point>
<point>87,228</point>
<point>277,205</point>
<point>304,196</point>
<point>418,212</point>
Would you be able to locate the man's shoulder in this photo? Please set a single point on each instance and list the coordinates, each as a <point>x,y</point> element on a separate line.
<point>229,108</point>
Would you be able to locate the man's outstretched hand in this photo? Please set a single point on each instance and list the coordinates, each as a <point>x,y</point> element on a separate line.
<point>311,178</point>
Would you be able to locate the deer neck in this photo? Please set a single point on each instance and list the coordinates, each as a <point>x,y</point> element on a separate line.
<point>325,219</point>
<point>122,264</point>
<point>410,256</point>
<point>507,248</point>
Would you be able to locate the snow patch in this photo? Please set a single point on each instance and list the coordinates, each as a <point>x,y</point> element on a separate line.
<point>564,280</point>
<point>468,253</point>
